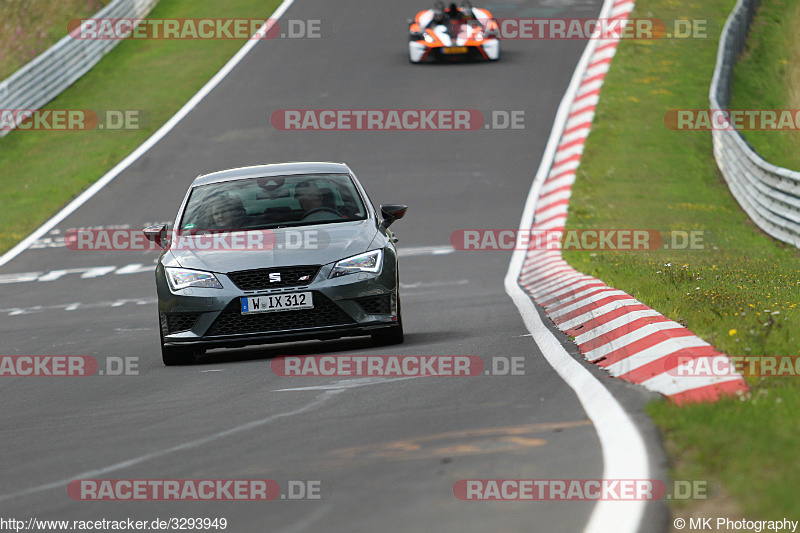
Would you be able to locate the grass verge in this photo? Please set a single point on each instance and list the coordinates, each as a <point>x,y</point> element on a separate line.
<point>44,170</point>
<point>768,77</point>
<point>30,27</point>
<point>740,292</point>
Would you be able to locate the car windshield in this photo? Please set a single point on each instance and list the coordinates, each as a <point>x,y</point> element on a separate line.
<point>272,202</point>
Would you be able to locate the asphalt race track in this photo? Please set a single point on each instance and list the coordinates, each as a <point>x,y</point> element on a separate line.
<point>387,452</point>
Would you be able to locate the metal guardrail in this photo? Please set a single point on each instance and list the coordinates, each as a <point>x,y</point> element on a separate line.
<point>44,78</point>
<point>770,195</point>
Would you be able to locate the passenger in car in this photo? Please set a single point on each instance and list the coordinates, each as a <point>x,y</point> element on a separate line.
<point>227,213</point>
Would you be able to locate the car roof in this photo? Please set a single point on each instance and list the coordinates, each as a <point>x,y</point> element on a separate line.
<point>274,169</point>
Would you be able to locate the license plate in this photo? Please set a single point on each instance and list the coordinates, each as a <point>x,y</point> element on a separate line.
<point>455,50</point>
<point>276,302</point>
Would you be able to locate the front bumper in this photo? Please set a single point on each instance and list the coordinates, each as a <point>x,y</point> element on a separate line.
<point>418,51</point>
<point>351,305</point>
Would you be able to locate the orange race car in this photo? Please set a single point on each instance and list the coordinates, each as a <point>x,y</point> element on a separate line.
<point>453,33</point>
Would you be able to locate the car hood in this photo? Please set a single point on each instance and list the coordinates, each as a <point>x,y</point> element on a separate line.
<point>311,245</point>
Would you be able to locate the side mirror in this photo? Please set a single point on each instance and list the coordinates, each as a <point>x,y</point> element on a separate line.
<point>156,234</point>
<point>392,212</point>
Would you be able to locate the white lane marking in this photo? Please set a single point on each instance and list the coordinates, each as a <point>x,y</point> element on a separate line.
<point>91,474</point>
<point>55,238</point>
<point>624,452</point>
<point>348,384</point>
<point>138,268</point>
<point>24,277</point>
<point>149,143</point>
<point>85,272</point>
<point>426,284</point>
<point>425,250</point>
<point>16,312</point>
<point>134,268</point>
<point>74,306</point>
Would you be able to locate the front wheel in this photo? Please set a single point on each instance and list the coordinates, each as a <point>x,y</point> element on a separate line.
<point>392,335</point>
<point>385,337</point>
<point>177,355</point>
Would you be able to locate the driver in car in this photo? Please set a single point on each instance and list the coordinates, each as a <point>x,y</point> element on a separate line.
<point>438,19</point>
<point>227,213</point>
<point>311,200</point>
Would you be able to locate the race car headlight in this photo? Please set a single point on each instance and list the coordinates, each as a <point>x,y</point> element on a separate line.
<point>181,278</point>
<point>366,262</point>
<point>429,38</point>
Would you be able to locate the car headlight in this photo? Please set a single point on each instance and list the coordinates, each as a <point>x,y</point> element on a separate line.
<point>366,262</point>
<point>429,38</point>
<point>181,278</point>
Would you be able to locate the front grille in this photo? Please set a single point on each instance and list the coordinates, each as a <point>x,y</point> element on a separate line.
<point>181,322</point>
<point>232,322</point>
<point>376,305</point>
<point>256,280</point>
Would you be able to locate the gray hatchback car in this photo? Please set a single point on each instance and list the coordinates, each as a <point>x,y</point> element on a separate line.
<point>271,253</point>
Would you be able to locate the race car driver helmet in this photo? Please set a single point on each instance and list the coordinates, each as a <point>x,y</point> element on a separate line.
<point>453,11</point>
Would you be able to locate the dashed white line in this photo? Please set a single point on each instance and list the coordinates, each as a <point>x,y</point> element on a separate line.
<point>139,268</point>
<point>90,474</point>
<point>623,450</point>
<point>348,384</point>
<point>74,306</point>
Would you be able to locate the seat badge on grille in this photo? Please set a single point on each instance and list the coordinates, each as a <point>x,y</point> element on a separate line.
<point>275,277</point>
